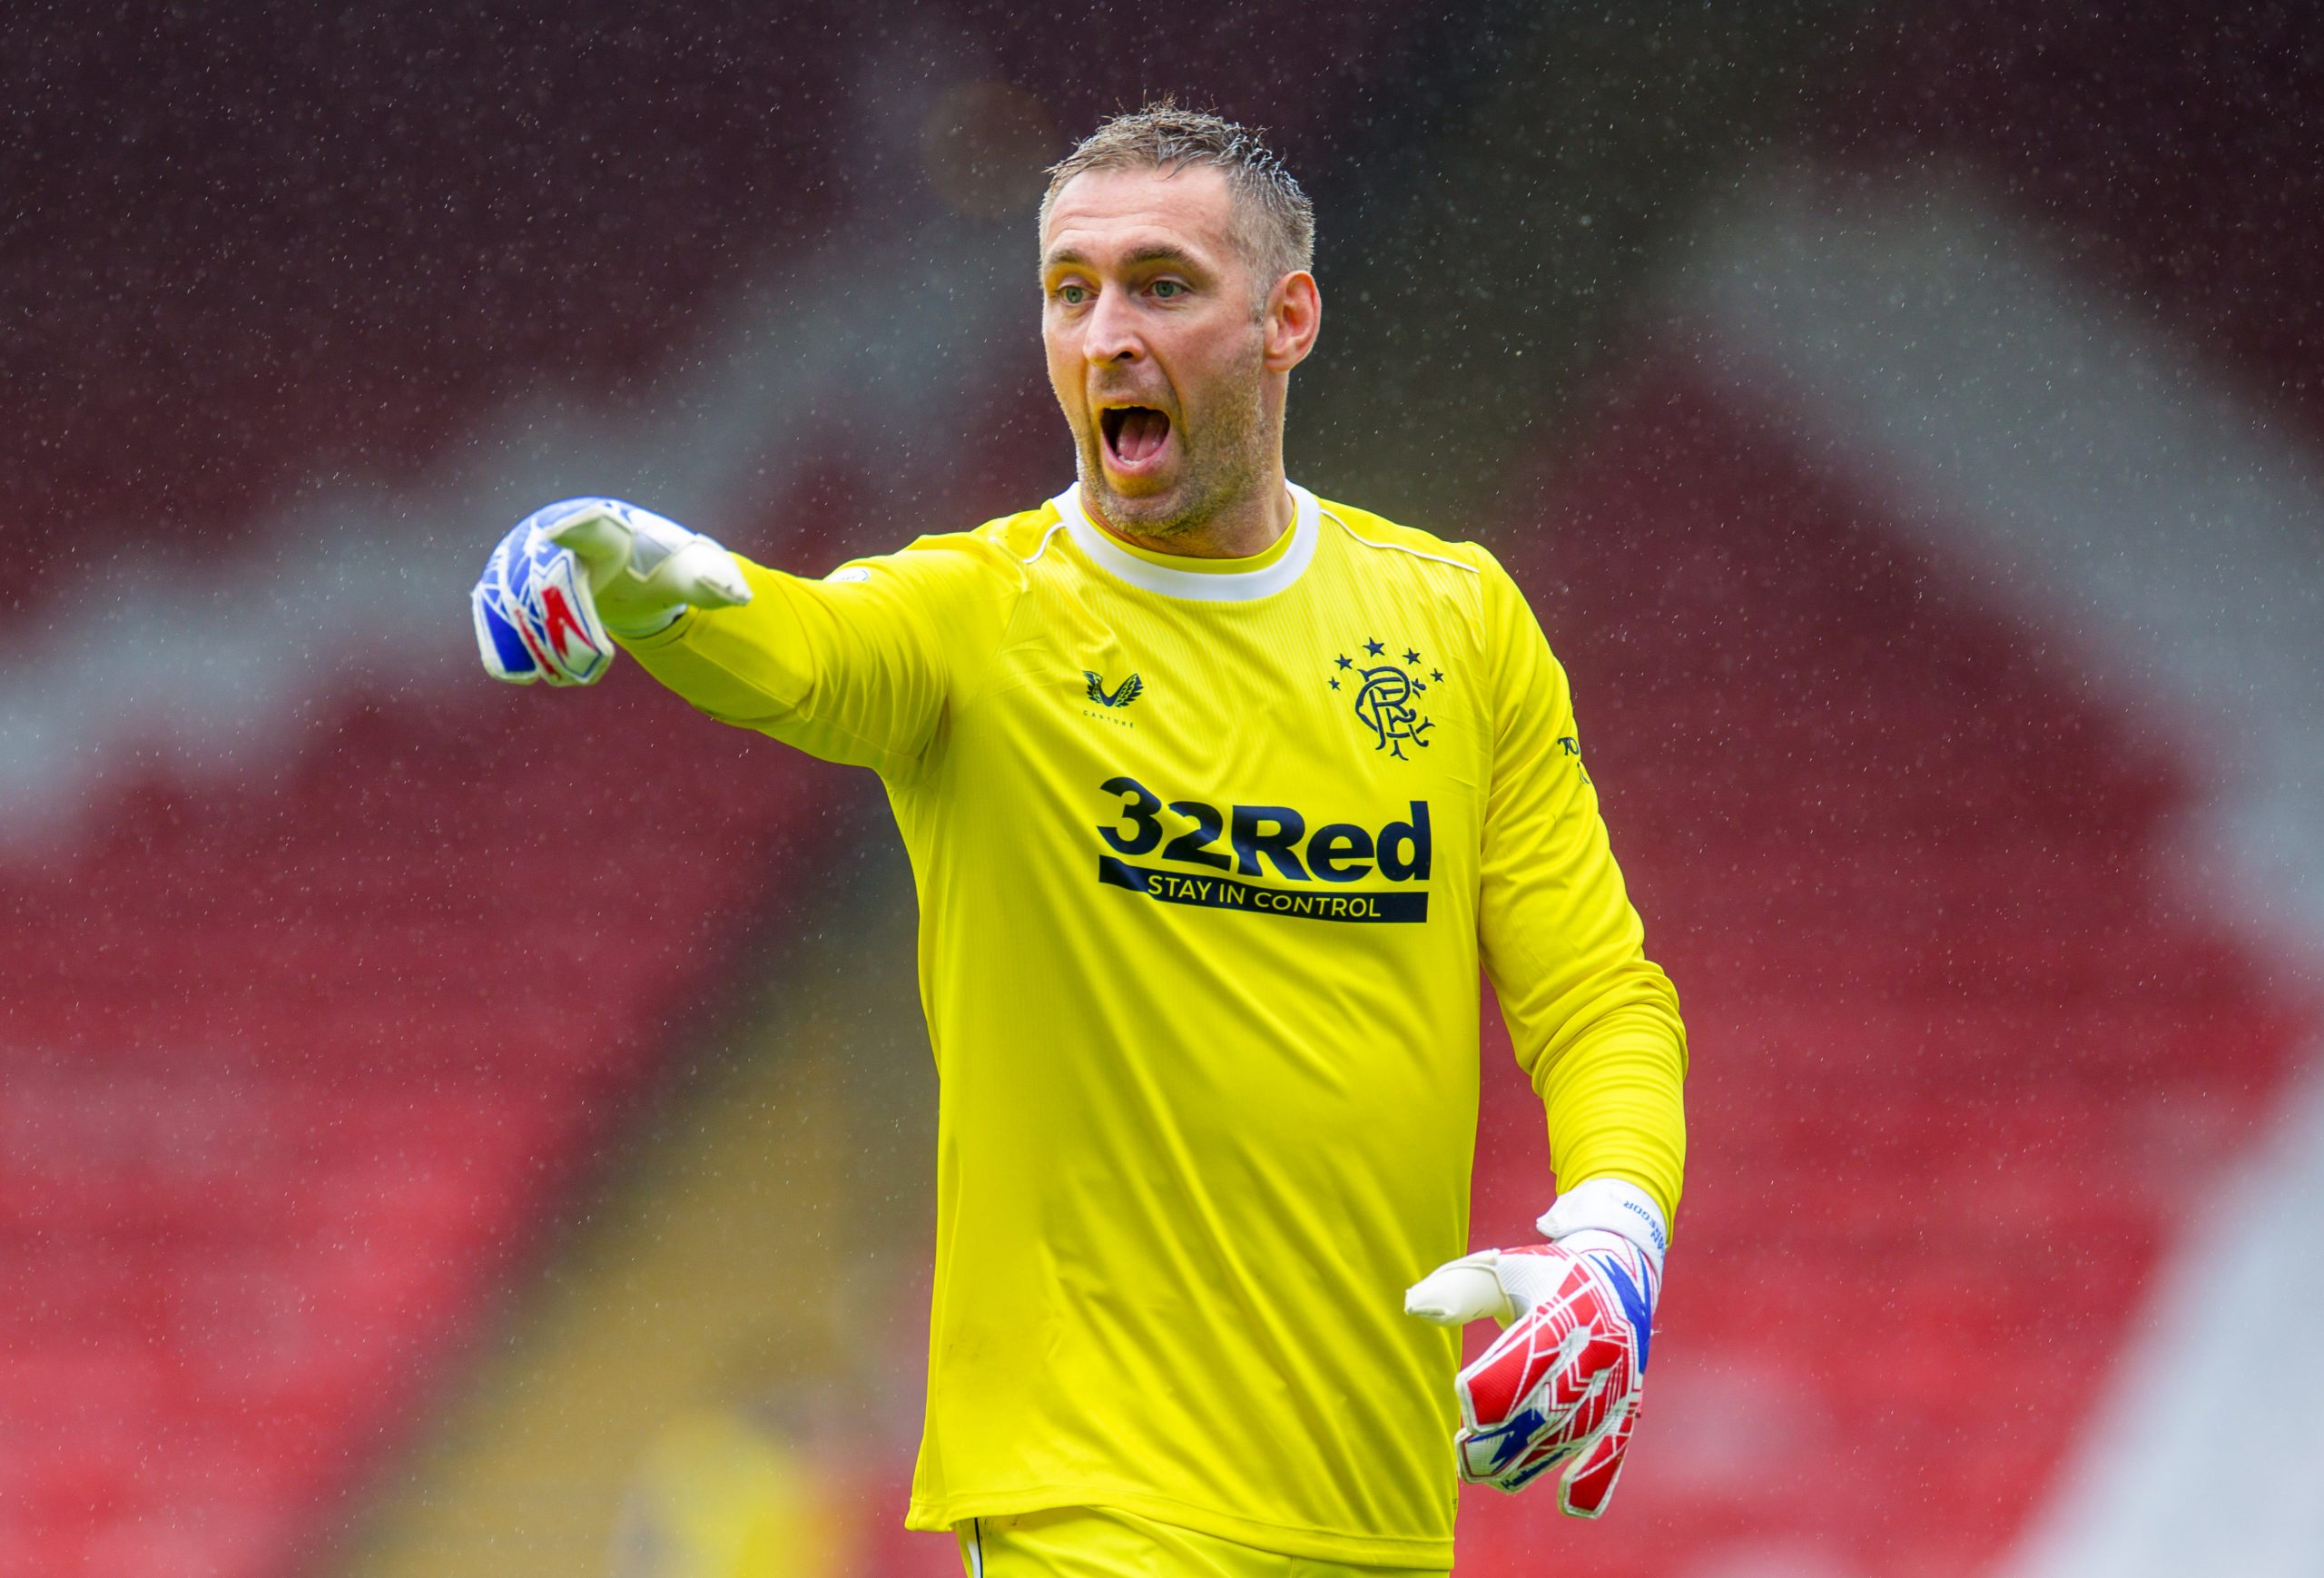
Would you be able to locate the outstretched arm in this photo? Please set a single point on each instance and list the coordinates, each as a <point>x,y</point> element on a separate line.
<point>859,667</point>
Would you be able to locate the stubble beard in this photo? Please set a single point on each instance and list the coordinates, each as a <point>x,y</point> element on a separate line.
<point>1224,461</point>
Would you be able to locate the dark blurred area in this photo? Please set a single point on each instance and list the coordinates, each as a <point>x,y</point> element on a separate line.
<point>1904,421</point>
<point>248,251</point>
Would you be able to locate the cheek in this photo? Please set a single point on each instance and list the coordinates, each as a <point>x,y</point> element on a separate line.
<point>1210,373</point>
<point>1063,356</point>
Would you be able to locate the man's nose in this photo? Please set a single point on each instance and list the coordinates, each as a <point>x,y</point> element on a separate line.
<point>1112,334</point>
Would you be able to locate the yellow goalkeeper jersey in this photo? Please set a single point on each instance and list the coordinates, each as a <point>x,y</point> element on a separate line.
<point>1208,854</point>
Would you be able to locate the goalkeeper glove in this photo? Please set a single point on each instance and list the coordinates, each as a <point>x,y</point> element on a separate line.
<point>1558,1388</point>
<point>572,574</point>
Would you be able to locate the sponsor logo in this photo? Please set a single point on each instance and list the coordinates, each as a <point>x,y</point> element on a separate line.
<point>1227,893</point>
<point>1385,691</point>
<point>1128,691</point>
<point>1216,848</point>
<point>1107,705</point>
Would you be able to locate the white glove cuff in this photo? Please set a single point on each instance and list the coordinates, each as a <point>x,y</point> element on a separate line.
<point>1609,1205</point>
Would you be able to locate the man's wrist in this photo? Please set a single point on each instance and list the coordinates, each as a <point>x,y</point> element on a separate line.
<point>1609,1205</point>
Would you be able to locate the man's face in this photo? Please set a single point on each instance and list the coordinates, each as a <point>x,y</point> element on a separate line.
<point>1157,345</point>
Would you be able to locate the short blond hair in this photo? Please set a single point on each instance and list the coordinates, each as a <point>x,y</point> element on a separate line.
<point>1162,136</point>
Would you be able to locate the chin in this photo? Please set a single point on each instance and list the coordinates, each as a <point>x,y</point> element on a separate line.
<point>1158,509</point>
<point>1159,514</point>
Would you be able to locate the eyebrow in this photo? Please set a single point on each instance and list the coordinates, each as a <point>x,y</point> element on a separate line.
<point>1154,253</point>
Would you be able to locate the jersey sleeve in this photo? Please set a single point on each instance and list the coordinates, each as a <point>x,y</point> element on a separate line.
<point>859,667</point>
<point>1595,1022</point>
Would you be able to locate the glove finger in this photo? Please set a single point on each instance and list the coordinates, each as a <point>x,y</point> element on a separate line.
<point>703,575</point>
<point>506,656</point>
<point>1509,1457</point>
<point>1540,1460</point>
<point>549,607</point>
<point>1533,1368</point>
<point>1588,1485</point>
<point>1461,1291</point>
<point>578,648</point>
<point>599,537</point>
<point>1603,1399</point>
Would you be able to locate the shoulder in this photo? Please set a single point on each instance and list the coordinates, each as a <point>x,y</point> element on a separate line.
<point>1022,537</point>
<point>995,555</point>
<point>1465,573</point>
<point>1422,564</point>
<point>1406,546</point>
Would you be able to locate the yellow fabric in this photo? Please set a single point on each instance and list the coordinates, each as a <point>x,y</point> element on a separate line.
<point>1094,1543</point>
<point>1197,1135</point>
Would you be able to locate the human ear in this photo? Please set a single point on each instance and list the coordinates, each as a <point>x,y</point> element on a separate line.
<point>1295,313</point>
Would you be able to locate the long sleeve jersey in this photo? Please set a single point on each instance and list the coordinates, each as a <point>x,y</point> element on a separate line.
<point>1208,854</point>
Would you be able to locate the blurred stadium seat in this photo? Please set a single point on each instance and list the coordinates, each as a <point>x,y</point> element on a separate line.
<point>300,1065</point>
<point>1957,1043</point>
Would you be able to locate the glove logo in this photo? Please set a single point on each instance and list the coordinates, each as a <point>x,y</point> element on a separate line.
<point>1384,697</point>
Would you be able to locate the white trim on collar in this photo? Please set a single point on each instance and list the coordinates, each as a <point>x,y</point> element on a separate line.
<point>1226,587</point>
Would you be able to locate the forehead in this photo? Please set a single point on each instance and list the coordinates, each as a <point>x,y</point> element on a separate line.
<point>1106,212</point>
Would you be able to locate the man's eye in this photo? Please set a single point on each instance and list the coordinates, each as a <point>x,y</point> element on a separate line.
<point>1072,295</point>
<point>1169,290</point>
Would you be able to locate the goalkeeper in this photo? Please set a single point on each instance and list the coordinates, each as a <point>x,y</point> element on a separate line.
<point>1216,795</point>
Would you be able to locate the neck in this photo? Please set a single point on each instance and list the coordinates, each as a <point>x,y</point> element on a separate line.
<point>1243,529</point>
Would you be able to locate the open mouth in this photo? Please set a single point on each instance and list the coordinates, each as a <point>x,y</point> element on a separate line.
<point>1134,435</point>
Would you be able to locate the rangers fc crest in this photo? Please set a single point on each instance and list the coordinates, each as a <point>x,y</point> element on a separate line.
<point>1385,691</point>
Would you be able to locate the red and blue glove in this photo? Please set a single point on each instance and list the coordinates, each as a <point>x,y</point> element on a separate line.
<point>1560,1387</point>
<point>572,574</point>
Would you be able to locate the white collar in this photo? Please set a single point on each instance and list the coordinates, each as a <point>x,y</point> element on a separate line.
<point>1226,587</point>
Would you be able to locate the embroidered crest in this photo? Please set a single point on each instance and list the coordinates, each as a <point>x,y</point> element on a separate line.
<point>1386,695</point>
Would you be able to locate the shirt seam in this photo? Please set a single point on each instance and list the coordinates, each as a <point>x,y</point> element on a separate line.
<point>1395,546</point>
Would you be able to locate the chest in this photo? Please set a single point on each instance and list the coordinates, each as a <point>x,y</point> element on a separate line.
<point>1323,747</point>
